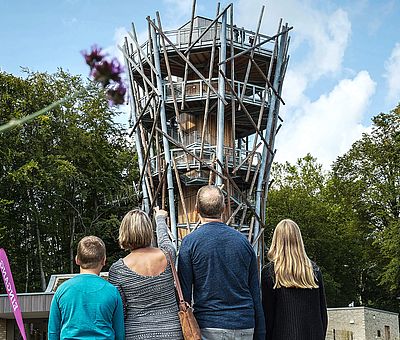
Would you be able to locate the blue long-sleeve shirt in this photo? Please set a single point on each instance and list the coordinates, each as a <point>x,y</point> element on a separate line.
<point>219,267</point>
<point>86,307</point>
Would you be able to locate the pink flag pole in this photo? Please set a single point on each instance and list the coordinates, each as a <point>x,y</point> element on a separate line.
<point>11,292</point>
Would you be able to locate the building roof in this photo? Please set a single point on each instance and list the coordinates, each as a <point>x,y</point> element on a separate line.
<point>36,305</point>
<point>360,307</point>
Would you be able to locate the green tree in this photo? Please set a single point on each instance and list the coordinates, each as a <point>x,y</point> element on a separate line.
<point>64,175</point>
<point>367,181</point>
<point>301,192</point>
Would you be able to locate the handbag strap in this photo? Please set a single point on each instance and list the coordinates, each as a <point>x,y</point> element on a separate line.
<point>176,279</point>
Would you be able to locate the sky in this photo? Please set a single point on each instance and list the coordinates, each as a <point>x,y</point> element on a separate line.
<point>344,55</point>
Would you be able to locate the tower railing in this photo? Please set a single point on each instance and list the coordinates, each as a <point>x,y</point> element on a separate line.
<point>242,38</point>
<point>197,90</point>
<point>184,161</point>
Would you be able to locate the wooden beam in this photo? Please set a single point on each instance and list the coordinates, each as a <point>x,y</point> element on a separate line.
<point>257,45</point>
<point>180,145</point>
<point>178,182</point>
<point>186,60</point>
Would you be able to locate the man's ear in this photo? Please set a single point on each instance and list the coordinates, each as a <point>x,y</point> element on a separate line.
<point>77,260</point>
<point>103,263</point>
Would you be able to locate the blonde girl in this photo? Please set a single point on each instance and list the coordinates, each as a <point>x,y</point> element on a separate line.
<point>292,287</point>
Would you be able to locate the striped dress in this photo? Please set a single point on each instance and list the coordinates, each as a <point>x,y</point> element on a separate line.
<point>150,306</point>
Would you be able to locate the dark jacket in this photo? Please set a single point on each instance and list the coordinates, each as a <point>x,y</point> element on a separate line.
<point>293,313</point>
<point>218,265</point>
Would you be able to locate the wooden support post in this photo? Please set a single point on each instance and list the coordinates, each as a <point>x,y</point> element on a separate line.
<point>207,28</point>
<point>210,73</point>
<point>187,55</point>
<point>246,78</point>
<point>233,106</point>
<point>146,157</point>
<point>247,157</point>
<point>228,188</point>
<point>160,185</point>
<point>141,114</point>
<point>210,176</point>
<point>230,219</point>
<point>166,59</point>
<point>182,197</point>
<point>249,206</point>
<point>251,228</point>
<point>247,114</point>
<point>163,117</point>
<point>221,101</point>
<point>146,202</point>
<point>257,45</point>
<point>133,63</point>
<point>185,59</point>
<point>181,146</point>
<point>271,124</point>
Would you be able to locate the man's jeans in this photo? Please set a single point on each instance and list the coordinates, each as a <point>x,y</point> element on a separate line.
<point>226,334</point>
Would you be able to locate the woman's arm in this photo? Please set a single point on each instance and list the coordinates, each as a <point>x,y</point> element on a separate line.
<point>163,239</point>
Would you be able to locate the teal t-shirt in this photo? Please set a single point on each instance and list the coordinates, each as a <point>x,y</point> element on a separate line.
<point>86,307</point>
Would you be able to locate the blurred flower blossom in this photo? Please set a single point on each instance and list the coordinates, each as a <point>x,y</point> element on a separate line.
<point>116,94</point>
<point>107,73</point>
<point>104,71</point>
<point>94,56</point>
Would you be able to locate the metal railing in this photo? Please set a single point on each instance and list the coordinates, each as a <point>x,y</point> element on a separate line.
<point>197,90</point>
<point>183,160</point>
<point>241,38</point>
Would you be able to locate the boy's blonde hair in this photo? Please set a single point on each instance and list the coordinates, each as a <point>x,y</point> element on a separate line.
<point>91,252</point>
<point>136,230</point>
<point>292,266</point>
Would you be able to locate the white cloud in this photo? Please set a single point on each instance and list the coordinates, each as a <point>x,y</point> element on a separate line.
<point>322,37</point>
<point>328,126</point>
<point>118,40</point>
<point>392,75</point>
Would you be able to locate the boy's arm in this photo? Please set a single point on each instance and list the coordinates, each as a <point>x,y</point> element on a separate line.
<point>54,327</point>
<point>118,319</point>
<point>185,271</point>
<point>254,285</point>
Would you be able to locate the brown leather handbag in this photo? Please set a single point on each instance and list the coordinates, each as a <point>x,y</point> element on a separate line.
<point>190,327</point>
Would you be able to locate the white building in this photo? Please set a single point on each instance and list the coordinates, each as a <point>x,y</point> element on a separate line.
<point>362,323</point>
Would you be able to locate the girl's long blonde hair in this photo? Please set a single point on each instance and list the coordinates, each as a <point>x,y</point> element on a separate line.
<point>293,268</point>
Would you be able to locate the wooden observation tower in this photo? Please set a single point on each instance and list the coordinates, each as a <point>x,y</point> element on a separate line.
<point>205,100</point>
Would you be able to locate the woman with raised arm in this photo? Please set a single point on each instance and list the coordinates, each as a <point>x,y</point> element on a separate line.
<point>144,278</point>
<point>292,289</point>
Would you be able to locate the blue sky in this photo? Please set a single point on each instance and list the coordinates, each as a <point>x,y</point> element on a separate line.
<point>344,66</point>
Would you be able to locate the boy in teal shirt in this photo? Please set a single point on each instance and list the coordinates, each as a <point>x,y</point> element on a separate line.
<point>87,306</point>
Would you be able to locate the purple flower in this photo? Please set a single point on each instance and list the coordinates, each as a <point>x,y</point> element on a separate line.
<point>116,94</point>
<point>94,56</point>
<point>107,73</point>
<point>104,71</point>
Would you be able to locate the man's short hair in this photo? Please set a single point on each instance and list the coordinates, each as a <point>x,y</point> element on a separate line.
<point>136,230</point>
<point>210,202</point>
<point>91,252</point>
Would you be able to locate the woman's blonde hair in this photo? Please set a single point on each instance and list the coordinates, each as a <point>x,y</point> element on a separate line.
<point>293,268</point>
<point>136,230</point>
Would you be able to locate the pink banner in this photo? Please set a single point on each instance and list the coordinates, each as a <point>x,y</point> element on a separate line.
<point>12,293</point>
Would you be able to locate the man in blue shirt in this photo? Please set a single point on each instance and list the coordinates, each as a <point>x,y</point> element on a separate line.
<point>87,306</point>
<point>218,269</point>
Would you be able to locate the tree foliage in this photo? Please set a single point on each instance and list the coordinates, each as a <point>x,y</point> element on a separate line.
<point>367,180</point>
<point>349,216</point>
<point>64,175</point>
